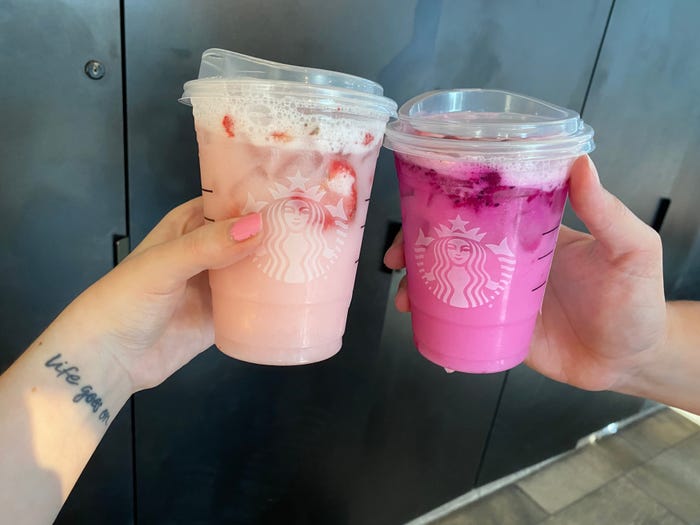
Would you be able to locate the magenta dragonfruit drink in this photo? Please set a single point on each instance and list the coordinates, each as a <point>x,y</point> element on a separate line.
<point>299,146</point>
<point>483,177</point>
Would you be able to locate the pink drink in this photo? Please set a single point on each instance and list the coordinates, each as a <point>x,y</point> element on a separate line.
<point>482,196</point>
<point>308,170</point>
<point>479,241</point>
<point>288,303</point>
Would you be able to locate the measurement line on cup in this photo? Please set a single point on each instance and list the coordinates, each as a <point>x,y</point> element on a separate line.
<point>357,261</point>
<point>550,252</point>
<point>366,200</point>
<point>538,287</point>
<point>208,219</point>
<point>362,226</point>
<point>207,190</point>
<point>551,231</point>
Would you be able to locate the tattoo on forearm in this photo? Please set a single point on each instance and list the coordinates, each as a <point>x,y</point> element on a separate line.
<point>85,393</point>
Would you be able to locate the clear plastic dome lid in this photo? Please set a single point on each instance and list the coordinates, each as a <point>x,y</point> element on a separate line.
<point>221,72</point>
<point>467,122</point>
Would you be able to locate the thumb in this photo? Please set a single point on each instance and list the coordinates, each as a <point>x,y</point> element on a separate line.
<point>209,247</point>
<point>612,224</point>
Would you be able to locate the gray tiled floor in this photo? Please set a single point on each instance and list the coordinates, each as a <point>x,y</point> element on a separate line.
<point>656,433</point>
<point>648,473</point>
<point>673,478</point>
<point>509,506</point>
<point>619,502</point>
<point>569,479</point>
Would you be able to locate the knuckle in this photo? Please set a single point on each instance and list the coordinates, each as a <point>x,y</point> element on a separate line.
<point>194,245</point>
<point>618,209</point>
<point>183,215</point>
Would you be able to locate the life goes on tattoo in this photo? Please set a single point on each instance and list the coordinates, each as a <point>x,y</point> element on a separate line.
<point>85,393</point>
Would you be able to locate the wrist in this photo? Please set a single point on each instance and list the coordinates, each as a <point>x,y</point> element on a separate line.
<point>78,361</point>
<point>56,402</point>
<point>668,373</point>
<point>644,371</point>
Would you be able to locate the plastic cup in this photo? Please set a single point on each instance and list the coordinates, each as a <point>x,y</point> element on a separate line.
<point>299,146</point>
<point>483,177</point>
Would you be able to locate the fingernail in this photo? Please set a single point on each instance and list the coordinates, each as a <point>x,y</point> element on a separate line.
<point>245,227</point>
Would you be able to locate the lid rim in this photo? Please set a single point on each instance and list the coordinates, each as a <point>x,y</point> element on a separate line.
<point>311,91</point>
<point>522,155</point>
<point>567,146</point>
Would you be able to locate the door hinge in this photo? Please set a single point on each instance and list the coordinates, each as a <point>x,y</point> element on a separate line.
<point>121,248</point>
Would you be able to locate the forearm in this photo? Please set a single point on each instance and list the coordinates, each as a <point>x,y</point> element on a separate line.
<point>56,403</point>
<point>671,375</point>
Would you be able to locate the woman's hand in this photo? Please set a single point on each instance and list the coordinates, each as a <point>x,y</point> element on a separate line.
<point>152,313</point>
<point>129,331</point>
<point>604,314</point>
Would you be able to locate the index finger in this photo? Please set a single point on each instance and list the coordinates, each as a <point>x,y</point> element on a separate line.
<point>177,222</point>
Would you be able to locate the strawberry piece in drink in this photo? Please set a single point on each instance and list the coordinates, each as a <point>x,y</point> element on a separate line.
<point>228,124</point>
<point>341,183</point>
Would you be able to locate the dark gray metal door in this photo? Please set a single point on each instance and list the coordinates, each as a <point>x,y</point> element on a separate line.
<point>62,196</point>
<point>643,105</point>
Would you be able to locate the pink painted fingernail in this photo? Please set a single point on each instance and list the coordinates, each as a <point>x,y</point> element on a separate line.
<point>245,227</point>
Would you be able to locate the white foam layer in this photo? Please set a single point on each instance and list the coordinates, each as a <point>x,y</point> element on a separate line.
<point>288,122</point>
<point>545,174</point>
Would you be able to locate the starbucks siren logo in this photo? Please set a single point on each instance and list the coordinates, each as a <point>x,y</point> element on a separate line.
<point>459,269</point>
<point>302,237</point>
